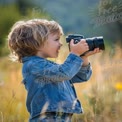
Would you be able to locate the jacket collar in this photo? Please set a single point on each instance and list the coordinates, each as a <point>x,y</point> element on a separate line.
<point>27,58</point>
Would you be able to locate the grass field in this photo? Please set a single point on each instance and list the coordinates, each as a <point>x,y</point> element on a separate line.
<point>101,96</point>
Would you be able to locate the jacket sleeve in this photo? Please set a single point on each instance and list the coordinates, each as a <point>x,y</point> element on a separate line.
<point>49,71</point>
<point>84,74</point>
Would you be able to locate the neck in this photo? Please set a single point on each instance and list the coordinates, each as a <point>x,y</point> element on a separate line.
<point>40,54</point>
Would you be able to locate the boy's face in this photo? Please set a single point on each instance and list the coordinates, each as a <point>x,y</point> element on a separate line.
<point>51,47</point>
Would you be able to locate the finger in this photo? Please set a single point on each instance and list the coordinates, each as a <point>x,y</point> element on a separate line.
<point>89,53</point>
<point>82,41</point>
<point>72,42</point>
<point>87,47</point>
<point>99,51</point>
<point>85,44</point>
<point>95,50</point>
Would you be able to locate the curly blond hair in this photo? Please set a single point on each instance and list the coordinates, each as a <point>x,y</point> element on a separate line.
<point>26,37</point>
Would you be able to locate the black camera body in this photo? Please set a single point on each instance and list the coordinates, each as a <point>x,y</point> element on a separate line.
<point>94,42</point>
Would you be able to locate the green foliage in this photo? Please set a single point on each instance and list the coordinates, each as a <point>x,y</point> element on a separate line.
<point>9,14</point>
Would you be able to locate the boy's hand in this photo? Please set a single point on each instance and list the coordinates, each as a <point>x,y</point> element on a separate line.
<point>89,53</point>
<point>79,48</point>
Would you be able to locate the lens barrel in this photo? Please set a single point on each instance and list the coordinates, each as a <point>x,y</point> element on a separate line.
<point>95,42</point>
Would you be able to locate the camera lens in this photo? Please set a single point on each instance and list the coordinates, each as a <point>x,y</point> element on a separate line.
<point>90,44</point>
<point>95,42</point>
<point>99,42</point>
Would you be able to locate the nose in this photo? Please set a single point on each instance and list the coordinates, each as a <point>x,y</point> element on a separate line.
<point>60,44</point>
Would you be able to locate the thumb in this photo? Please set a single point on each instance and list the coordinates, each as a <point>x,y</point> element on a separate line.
<point>71,42</point>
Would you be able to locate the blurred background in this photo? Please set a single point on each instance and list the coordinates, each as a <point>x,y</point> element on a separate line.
<point>101,96</point>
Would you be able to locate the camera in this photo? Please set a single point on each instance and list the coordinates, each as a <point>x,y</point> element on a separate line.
<point>94,42</point>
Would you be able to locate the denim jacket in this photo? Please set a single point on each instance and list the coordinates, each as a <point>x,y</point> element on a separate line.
<point>50,86</point>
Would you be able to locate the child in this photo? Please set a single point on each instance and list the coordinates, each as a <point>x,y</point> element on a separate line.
<point>51,95</point>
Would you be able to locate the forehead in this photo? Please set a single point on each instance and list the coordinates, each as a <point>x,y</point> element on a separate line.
<point>54,35</point>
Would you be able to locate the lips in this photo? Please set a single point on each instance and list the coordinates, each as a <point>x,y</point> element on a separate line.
<point>58,50</point>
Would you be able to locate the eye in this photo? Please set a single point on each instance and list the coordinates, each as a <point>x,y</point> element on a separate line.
<point>57,39</point>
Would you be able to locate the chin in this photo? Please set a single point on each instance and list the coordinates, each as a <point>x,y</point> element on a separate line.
<point>56,56</point>
<point>53,56</point>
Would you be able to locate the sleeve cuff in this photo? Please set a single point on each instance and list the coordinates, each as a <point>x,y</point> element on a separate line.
<point>74,58</point>
<point>86,67</point>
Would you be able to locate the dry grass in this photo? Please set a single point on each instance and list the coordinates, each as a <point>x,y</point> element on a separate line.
<point>12,93</point>
<point>101,96</point>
